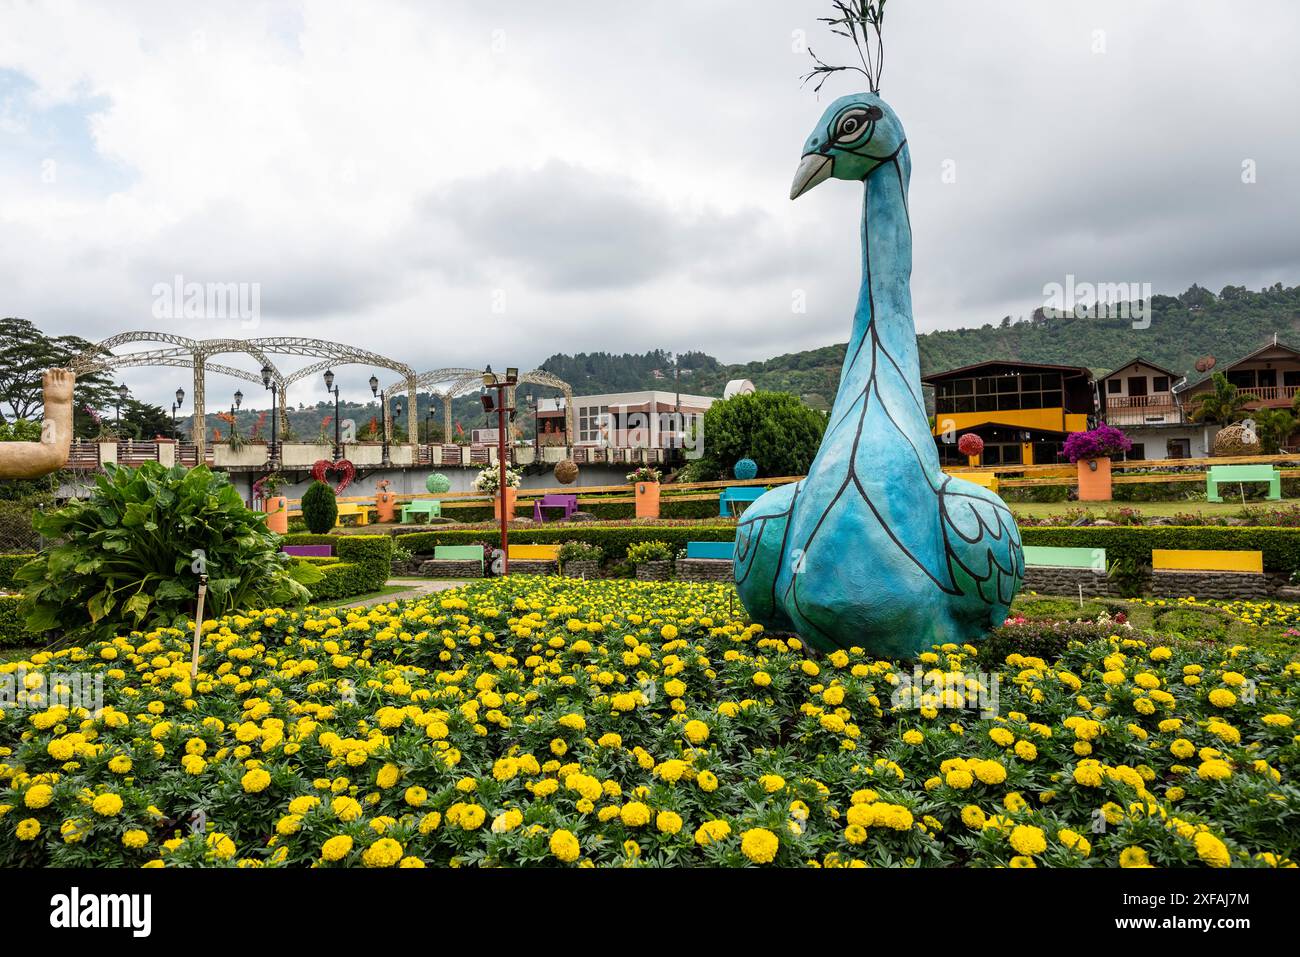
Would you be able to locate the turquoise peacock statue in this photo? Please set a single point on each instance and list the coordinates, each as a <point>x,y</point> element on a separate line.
<point>876,547</point>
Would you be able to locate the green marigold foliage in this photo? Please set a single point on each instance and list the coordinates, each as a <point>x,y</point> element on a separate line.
<point>320,509</point>
<point>129,556</point>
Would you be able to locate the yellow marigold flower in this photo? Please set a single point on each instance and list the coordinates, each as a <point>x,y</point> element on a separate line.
<point>38,796</point>
<point>697,732</point>
<point>471,817</point>
<point>1212,850</point>
<point>635,814</point>
<point>1088,775</point>
<point>973,817</point>
<point>762,679</point>
<point>1028,840</point>
<point>1214,769</point>
<point>989,772</point>
<point>27,829</point>
<point>1020,861</point>
<point>1222,698</point>
<point>564,845</point>
<point>707,780</point>
<point>669,822</point>
<point>1074,841</point>
<point>771,783</point>
<point>256,781</point>
<point>336,848</point>
<point>1026,750</point>
<point>913,737</point>
<point>107,805</point>
<point>959,778</point>
<point>388,776</point>
<point>1133,857</point>
<point>759,845</point>
<point>710,831</point>
<point>1001,736</point>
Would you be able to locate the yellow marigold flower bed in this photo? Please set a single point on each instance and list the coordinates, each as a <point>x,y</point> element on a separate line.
<point>476,728</point>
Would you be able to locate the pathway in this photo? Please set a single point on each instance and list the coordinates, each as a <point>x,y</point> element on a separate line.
<point>412,589</point>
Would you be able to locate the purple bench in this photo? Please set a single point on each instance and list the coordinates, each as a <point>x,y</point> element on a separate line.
<point>309,551</point>
<point>567,502</point>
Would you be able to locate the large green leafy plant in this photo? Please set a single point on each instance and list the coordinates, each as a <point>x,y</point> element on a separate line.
<point>129,556</point>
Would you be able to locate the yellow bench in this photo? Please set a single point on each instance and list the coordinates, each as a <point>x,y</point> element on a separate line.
<point>1206,560</point>
<point>534,553</point>
<point>362,512</point>
<point>986,480</point>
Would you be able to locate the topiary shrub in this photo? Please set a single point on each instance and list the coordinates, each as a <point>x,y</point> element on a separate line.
<point>12,632</point>
<point>320,508</point>
<point>129,556</point>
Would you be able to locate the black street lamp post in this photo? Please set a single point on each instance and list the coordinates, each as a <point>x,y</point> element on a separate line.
<point>273,453</point>
<point>332,389</point>
<point>180,400</point>
<point>383,417</point>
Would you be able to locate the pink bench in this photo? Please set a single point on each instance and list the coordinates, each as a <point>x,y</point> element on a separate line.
<point>309,551</point>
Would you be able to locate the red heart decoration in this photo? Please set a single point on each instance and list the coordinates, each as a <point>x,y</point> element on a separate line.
<point>346,469</point>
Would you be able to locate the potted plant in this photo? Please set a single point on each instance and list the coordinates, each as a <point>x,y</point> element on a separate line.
<point>385,501</point>
<point>645,480</point>
<point>488,481</point>
<point>1091,451</point>
<point>581,559</point>
<point>653,560</point>
<point>971,446</point>
<point>275,505</point>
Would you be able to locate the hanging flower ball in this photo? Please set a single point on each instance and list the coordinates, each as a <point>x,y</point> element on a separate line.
<point>745,469</point>
<point>437,483</point>
<point>566,471</point>
<point>970,444</point>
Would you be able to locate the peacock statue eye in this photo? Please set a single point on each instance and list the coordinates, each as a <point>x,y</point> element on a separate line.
<point>851,125</point>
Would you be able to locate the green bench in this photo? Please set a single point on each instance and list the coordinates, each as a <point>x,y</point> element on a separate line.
<point>428,507</point>
<point>1242,473</point>
<point>460,553</point>
<point>1047,556</point>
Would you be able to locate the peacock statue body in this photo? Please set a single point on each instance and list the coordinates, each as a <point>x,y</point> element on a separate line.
<point>876,547</point>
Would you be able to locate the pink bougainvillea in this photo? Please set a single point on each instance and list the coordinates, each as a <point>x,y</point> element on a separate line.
<point>1099,443</point>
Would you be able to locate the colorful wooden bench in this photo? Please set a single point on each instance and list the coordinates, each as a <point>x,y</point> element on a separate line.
<point>460,553</point>
<point>567,503</point>
<point>309,551</point>
<point>362,512</point>
<point>1217,474</point>
<point>1207,560</point>
<point>988,480</point>
<point>1048,556</point>
<point>428,507</point>
<point>737,495</point>
<point>713,551</point>
<point>534,553</point>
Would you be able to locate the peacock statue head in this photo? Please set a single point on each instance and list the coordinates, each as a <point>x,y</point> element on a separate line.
<point>856,135</point>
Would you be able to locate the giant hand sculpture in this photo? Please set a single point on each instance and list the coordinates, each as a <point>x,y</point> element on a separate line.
<point>28,460</point>
<point>877,547</point>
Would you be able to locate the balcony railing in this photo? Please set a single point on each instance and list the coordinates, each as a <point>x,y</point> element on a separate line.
<point>1270,393</point>
<point>1156,402</point>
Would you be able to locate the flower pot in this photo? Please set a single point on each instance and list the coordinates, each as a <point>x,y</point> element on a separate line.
<point>973,461</point>
<point>647,499</point>
<point>277,514</point>
<point>1094,480</point>
<point>385,506</point>
<point>654,571</point>
<point>510,503</point>
<point>581,569</point>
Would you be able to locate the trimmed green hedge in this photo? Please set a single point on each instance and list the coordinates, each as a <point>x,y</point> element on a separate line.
<point>372,556</point>
<point>10,564</point>
<point>613,540</point>
<point>1133,543</point>
<point>342,580</point>
<point>668,508</point>
<point>12,631</point>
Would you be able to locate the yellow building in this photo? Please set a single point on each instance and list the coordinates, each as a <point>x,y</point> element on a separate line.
<point>1022,410</point>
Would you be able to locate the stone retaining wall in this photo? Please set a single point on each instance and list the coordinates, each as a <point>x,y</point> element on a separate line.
<point>581,569</point>
<point>654,571</point>
<point>705,569</point>
<point>534,566</point>
<point>443,568</point>
<point>1049,580</point>
<point>1223,585</point>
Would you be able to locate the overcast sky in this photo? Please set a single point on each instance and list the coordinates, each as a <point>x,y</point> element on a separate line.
<point>458,182</point>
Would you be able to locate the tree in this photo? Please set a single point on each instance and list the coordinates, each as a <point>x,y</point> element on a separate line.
<point>25,354</point>
<point>1222,406</point>
<point>1274,427</point>
<point>320,508</point>
<point>775,429</point>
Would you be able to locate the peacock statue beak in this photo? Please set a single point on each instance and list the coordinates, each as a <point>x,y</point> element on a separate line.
<point>813,168</point>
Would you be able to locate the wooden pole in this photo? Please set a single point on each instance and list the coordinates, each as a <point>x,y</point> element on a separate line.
<point>198,628</point>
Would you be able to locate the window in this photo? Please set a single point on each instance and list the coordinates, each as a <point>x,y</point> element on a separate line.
<point>1113,386</point>
<point>1137,385</point>
<point>1179,448</point>
<point>1160,383</point>
<point>1137,453</point>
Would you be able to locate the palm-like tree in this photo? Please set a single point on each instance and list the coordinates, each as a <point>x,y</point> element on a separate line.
<point>1225,405</point>
<point>1274,427</point>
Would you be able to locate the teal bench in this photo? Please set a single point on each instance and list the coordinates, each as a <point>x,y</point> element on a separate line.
<point>736,495</point>
<point>711,550</point>
<point>428,507</point>
<point>1242,473</point>
<point>459,553</point>
<point>1046,556</point>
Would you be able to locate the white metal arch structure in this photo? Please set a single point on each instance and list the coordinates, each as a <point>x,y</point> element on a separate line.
<point>183,352</point>
<point>457,382</point>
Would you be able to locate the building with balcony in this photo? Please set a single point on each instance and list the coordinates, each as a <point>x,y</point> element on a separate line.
<point>1022,410</point>
<point>650,419</point>
<point>1139,397</point>
<point>1270,375</point>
